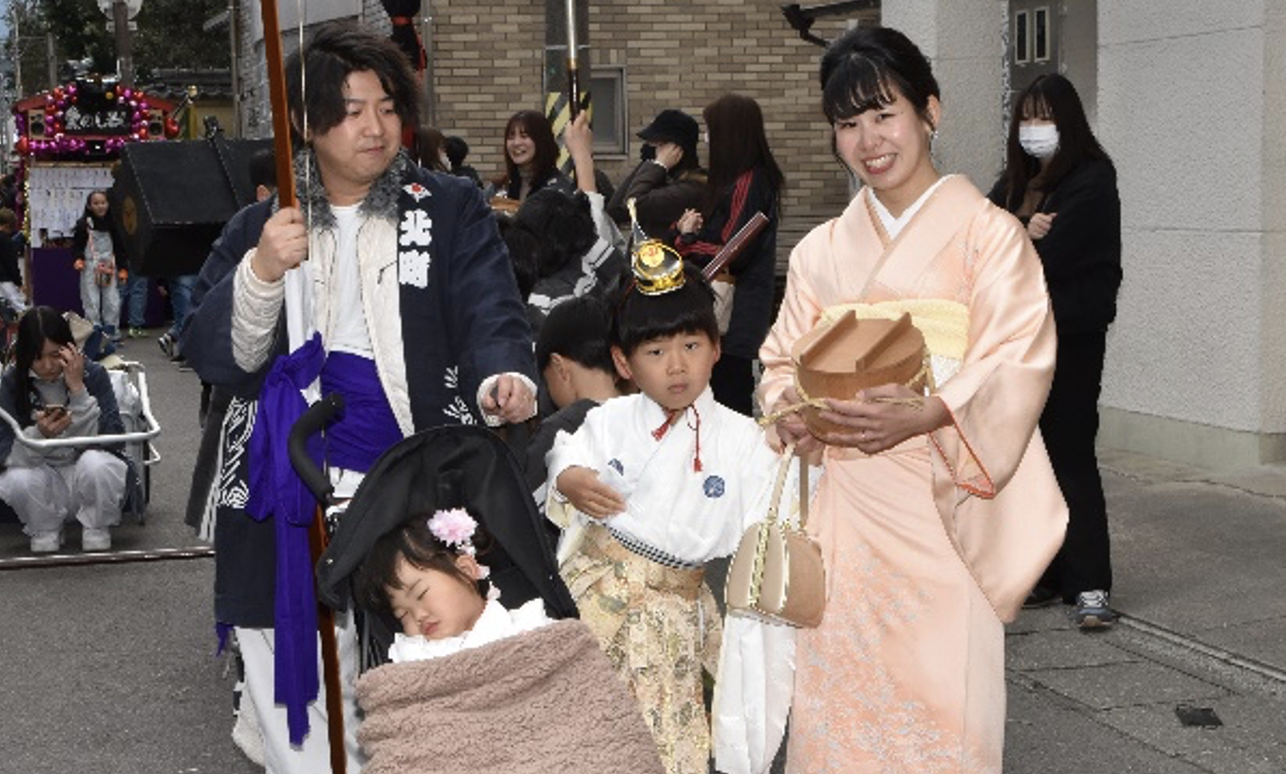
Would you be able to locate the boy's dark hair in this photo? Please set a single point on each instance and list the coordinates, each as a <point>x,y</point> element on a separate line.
<point>690,309</point>
<point>417,545</point>
<point>8,219</point>
<point>457,149</point>
<point>263,168</point>
<point>336,51</point>
<point>563,224</point>
<point>860,70</point>
<point>36,326</point>
<point>577,329</point>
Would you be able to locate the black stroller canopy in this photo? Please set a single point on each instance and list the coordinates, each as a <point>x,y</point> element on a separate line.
<point>449,467</point>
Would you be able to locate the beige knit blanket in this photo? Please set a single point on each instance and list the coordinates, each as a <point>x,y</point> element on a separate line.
<point>542,701</point>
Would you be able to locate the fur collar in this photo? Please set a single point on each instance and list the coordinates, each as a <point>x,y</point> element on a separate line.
<point>380,201</point>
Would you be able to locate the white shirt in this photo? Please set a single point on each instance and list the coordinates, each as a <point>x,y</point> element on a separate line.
<point>691,515</point>
<point>348,331</point>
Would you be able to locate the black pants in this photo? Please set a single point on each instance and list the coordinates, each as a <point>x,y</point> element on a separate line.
<point>1069,424</point>
<point>733,383</point>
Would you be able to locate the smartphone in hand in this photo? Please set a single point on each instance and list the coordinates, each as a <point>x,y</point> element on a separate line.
<point>55,410</point>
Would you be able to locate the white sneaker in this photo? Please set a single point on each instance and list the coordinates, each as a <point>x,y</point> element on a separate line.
<point>95,540</point>
<point>46,542</point>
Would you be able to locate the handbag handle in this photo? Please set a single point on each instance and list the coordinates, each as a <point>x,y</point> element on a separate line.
<point>786,457</point>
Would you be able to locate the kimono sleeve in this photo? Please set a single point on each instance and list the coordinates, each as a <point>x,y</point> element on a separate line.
<point>581,448</point>
<point>206,338</point>
<point>996,398</point>
<point>800,311</point>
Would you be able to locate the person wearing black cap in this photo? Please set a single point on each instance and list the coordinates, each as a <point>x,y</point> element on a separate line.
<point>669,180</point>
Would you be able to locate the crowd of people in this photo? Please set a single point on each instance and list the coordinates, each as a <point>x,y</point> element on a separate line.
<point>572,317</point>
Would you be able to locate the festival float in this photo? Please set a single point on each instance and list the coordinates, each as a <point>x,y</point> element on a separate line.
<point>69,139</point>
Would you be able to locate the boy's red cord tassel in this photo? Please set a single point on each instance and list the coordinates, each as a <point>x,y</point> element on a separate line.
<point>670,416</point>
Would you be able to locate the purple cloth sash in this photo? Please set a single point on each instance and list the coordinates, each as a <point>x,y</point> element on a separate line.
<point>367,427</point>
<point>277,491</point>
<point>364,431</point>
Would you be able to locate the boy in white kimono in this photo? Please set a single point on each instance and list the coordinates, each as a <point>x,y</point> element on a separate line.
<point>660,483</point>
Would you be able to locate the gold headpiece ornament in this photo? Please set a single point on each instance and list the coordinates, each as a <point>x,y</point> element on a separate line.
<point>658,268</point>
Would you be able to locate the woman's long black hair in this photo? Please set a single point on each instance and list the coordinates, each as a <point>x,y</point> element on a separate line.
<point>1053,98</point>
<point>737,143</point>
<point>544,163</point>
<point>38,325</point>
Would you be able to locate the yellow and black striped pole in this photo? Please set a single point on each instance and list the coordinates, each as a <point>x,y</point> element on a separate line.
<point>566,67</point>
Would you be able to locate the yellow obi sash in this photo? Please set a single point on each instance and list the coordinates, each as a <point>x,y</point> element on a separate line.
<point>944,324</point>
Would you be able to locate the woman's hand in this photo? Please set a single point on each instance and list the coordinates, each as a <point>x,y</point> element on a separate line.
<point>283,245</point>
<point>883,417</point>
<point>689,222</point>
<point>578,137</point>
<point>509,399</point>
<point>73,367</point>
<point>583,489</point>
<point>1039,225</point>
<point>791,428</point>
<point>668,154</point>
<point>52,422</point>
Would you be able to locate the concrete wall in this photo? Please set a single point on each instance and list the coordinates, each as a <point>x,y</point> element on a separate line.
<point>962,38</point>
<point>1191,106</point>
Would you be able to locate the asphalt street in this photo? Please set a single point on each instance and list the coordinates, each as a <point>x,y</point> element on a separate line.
<point>111,667</point>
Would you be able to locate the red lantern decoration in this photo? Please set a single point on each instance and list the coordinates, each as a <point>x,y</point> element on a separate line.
<point>171,128</point>
<point>142,132</point>
<point>24,145</point>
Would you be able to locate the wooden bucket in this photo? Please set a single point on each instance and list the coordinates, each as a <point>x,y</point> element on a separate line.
<point>849,355</point>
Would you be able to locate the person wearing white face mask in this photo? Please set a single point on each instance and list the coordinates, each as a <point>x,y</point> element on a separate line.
<point>1062,184</point>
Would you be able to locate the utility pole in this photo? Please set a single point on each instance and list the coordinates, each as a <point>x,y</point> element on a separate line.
<point>17,53</point>
<point>51,60</point>
<point>124,60</point>
<point>234,43</point>
<point>120,12</point>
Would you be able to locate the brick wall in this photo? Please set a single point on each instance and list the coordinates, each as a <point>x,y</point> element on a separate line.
<point>488,59</point>
<point>675,54</point>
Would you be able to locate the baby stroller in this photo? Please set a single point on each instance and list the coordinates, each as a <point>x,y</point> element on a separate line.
<point>544,701</point>
<point>445,467</point>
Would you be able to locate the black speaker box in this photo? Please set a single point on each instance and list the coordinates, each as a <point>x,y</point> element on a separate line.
<point>171,199</point>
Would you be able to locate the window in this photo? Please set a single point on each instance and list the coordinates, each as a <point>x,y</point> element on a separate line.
<point>1022,54</point>
<point>607,84</point>
<point>1040,35</point>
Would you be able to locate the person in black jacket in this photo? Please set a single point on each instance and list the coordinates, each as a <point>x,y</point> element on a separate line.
<point>1061,183</point>
<point>744,179</point>
<point>668,180</point>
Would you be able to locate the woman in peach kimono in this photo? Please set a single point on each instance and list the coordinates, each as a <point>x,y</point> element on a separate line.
<point>936,514</point>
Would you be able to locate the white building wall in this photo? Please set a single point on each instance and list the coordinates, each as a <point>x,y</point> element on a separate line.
<point>962,39</point>
<point>1191,109</point>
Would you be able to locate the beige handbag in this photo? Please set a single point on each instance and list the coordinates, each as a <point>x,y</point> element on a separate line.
<point>777,573</point>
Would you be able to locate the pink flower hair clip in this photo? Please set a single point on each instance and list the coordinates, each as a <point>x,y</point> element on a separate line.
<point>455,528</point>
